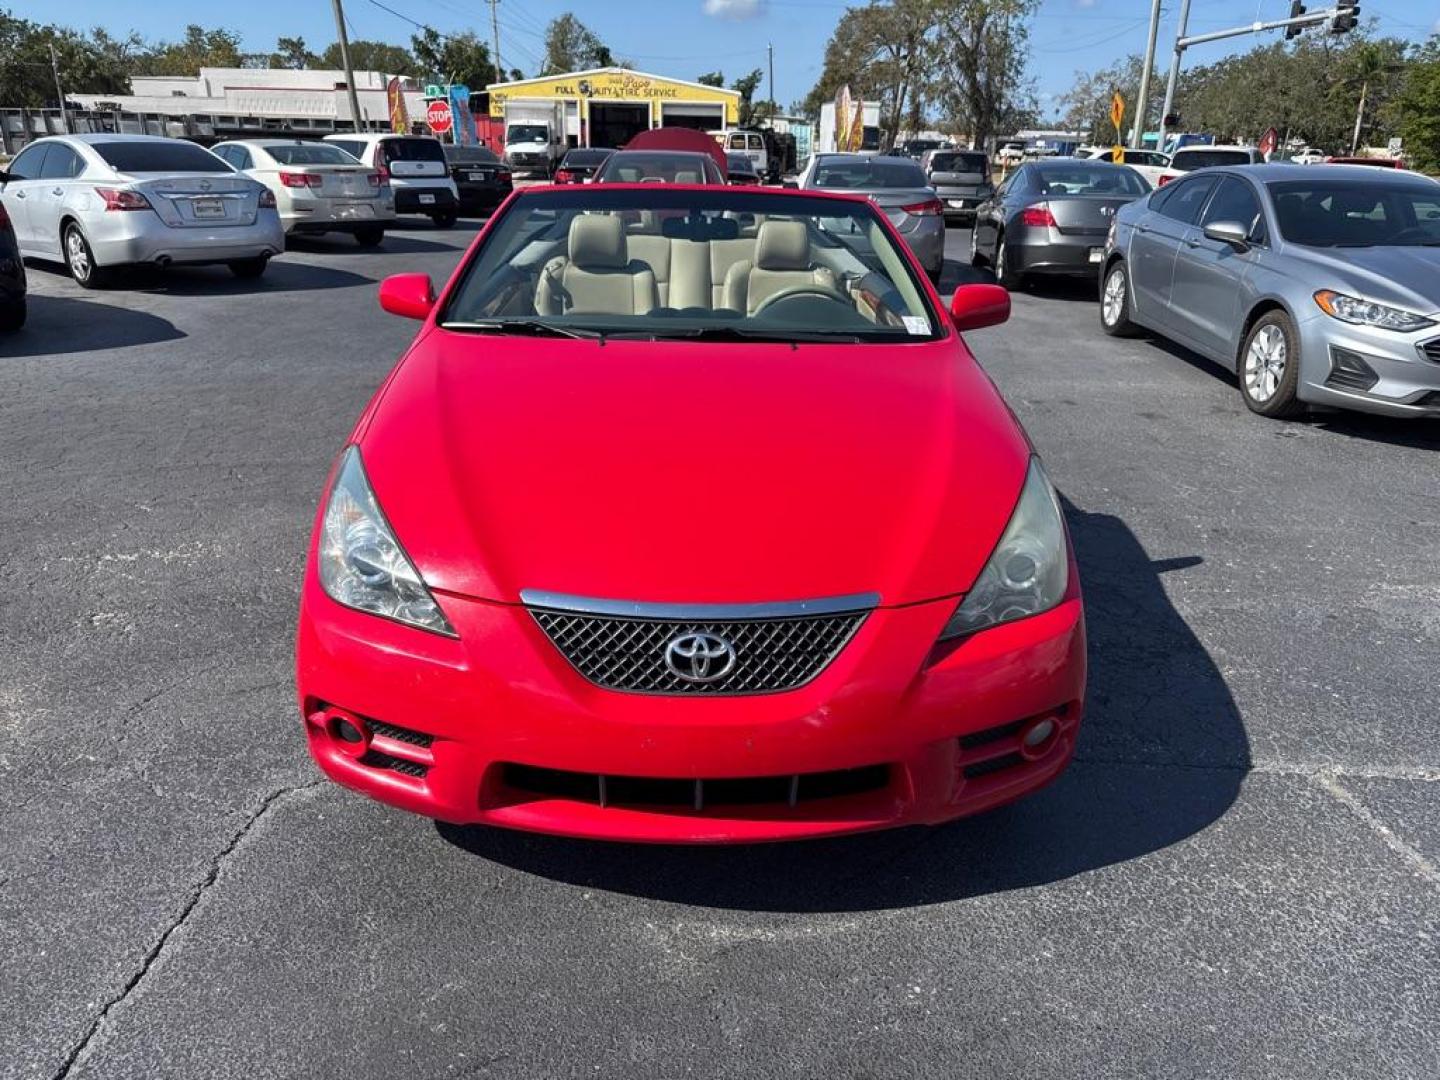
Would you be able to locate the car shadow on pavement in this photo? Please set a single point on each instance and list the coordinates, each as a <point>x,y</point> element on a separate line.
<point>280,276</point>
<point>59,325</point>
<point>1162,756</point>
<point>391,245</point>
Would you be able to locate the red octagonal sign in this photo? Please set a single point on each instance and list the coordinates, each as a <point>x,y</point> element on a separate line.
<point>437,115</point>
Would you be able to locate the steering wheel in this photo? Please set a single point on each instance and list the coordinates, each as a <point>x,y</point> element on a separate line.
<point>795,292</point>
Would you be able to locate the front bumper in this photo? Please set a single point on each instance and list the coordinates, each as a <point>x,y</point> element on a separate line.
<point>943,725</point>
<point>1407,381</point>
<point>143,238</point>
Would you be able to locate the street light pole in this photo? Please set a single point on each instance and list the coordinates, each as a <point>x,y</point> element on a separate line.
<point>495,33</point>
<point>59,93</point>
<point>1174,75</point>
<point>345,60</point>
<point>1137,131</point>
<point>770,51</point>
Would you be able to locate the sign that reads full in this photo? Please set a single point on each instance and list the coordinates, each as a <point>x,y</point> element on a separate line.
<point>437,117</point>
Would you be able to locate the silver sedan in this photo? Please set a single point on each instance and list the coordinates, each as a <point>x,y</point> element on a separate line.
<point>1313,285</point>
<point>97,202</point>
<point>897,185</point>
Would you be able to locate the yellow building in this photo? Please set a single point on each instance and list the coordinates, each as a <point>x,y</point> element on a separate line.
<point>607,106</point>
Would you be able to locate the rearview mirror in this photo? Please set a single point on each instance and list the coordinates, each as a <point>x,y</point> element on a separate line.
<point>409,295</point>
<point>976,306</point>
<point>1229,232</point>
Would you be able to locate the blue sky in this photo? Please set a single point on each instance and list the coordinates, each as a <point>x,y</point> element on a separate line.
<point>687,37</point>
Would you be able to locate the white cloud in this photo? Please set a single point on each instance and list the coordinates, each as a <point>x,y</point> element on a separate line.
<point>734,9</point>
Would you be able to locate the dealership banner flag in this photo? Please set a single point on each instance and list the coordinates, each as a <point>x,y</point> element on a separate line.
<point>399,118</point>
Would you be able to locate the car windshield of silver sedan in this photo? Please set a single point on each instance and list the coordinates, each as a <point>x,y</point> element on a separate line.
<point>1358,213</point>
<point>664,263</point>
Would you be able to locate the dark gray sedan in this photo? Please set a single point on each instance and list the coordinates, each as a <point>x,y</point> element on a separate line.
<point>896,185</point>
<point>1051,217</point>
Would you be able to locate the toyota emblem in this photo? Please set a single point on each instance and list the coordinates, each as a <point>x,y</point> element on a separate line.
<point>699,657</point>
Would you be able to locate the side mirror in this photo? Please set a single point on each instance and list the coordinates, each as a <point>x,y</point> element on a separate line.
<point>1229,232</point>
<point>4,177</point>
<point>976,306</point>
<point>409,295</point>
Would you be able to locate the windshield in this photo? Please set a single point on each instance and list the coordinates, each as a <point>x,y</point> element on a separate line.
<point>1186,160</point>
<point>1358,213</point>
<point>637,166</point>
<point>311,154</point>
<point>1082,179</point>
<point>159,156</point>
<point>518,133</point>
<point>413,150</point>
<point>868,174</point>
<point>658,262</point>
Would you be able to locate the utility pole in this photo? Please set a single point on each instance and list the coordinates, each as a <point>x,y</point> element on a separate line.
<point>1137,132</point>
<point>495,33</point>
<point>770,51</point>
<point>345,60</point>
<point>60,94</point>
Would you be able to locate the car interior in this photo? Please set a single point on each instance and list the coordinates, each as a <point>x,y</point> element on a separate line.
<point>699,265</point>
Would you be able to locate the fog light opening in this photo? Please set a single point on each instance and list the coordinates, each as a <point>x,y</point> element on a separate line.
<point>350,734</point>
<point>1038,737</point>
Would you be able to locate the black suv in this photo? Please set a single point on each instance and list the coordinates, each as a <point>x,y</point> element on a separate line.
<point>12,274</point>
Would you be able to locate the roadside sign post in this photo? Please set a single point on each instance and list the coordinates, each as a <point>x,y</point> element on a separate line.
<point>1117,117</point>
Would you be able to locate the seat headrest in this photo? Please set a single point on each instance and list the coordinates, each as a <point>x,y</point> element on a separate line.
<point>598,243</point>
<point>687,176</point>
<point>782,245</point>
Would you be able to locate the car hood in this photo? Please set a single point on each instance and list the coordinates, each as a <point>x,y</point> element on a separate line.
<point>694,472</point>
<point>1407,277</point>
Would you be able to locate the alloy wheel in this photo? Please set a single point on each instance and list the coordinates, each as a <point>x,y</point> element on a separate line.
<point>1265,363</point>
<point>1114,301</point>
<point>76,254</point>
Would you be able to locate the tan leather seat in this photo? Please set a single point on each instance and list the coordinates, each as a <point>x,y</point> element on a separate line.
<point>645,243</point>
<point>597,275</point>
<point>782,261</point>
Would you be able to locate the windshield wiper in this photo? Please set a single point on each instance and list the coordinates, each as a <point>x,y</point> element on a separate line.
<point>523,328</point>
<point>736,333</point>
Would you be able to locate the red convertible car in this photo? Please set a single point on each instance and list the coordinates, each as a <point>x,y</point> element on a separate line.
<point>689,517</point>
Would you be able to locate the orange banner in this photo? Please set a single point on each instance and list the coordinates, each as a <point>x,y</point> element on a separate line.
<point>399,118</point>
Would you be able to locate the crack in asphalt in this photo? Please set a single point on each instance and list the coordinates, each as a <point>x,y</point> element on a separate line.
<point>1329,782</point>
<point>197,892</point>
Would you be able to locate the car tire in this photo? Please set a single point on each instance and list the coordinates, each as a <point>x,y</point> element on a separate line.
<point>12,314</point>
<point>1269,367</point>
<point>248,269</point>
<point>1115,301</point>
<point>446,220</point>
<point>80,260</point>
<point>1005,272</point>
<point>369,237</point>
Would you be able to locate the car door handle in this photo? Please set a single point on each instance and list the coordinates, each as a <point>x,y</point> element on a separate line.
<point>20,194</point>
<point>1192,243</point>
<point>57,191</point>
<point>1143,229</point>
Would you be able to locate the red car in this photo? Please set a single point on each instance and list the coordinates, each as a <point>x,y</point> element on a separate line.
<point>689,516</point>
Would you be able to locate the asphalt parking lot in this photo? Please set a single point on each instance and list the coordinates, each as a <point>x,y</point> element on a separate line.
<point>1238,877</point>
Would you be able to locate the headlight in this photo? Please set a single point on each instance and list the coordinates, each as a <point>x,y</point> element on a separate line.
<point>1029,569</point>
<point>361,562</point>
<point>1352,309</point>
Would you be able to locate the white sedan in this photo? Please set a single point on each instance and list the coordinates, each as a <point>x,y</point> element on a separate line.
<point>1148,163</point>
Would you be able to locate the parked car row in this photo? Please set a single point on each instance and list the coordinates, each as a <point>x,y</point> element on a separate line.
<point>99,202</point>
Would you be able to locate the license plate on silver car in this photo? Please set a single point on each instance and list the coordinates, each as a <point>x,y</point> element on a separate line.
<point>208,208</point>
<point>426,200</point>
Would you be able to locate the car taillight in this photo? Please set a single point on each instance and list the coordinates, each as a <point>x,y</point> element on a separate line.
<point>1165,179</point>
<point>1038,216</point>
<point>375,179</point>
<point>564,176</point>
<point>305,180</point>
<point>120,199</point>
<point>267,200</point>
<point>928,208</point>
<point>382,172</point>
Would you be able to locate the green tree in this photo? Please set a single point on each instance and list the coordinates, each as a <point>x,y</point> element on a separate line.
<point>461,58</point>
<point>372,56</point>
<point>570,45</point>
<point>976,60</point>
<point>711,78</point>
<point>291,52</point>
<point>1086,104</point>
<point>99,64</point>
<point>1415,111</point>
<point>198,48</point>
<point>747,85</point>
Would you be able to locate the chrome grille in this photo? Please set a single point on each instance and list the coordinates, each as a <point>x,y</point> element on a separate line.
<point>777,647</point>
<point>1430,349</point>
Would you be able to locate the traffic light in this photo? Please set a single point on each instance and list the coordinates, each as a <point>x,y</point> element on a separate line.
<point>1296,10</point>
<point>1346,16</point>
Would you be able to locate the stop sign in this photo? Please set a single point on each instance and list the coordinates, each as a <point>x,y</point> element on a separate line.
<point>437,115</point>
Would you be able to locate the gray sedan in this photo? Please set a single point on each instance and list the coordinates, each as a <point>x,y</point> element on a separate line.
<point>1051,217</point>
<point>97,202</point>
<point>898,187</point>
<point>1313,285</point>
